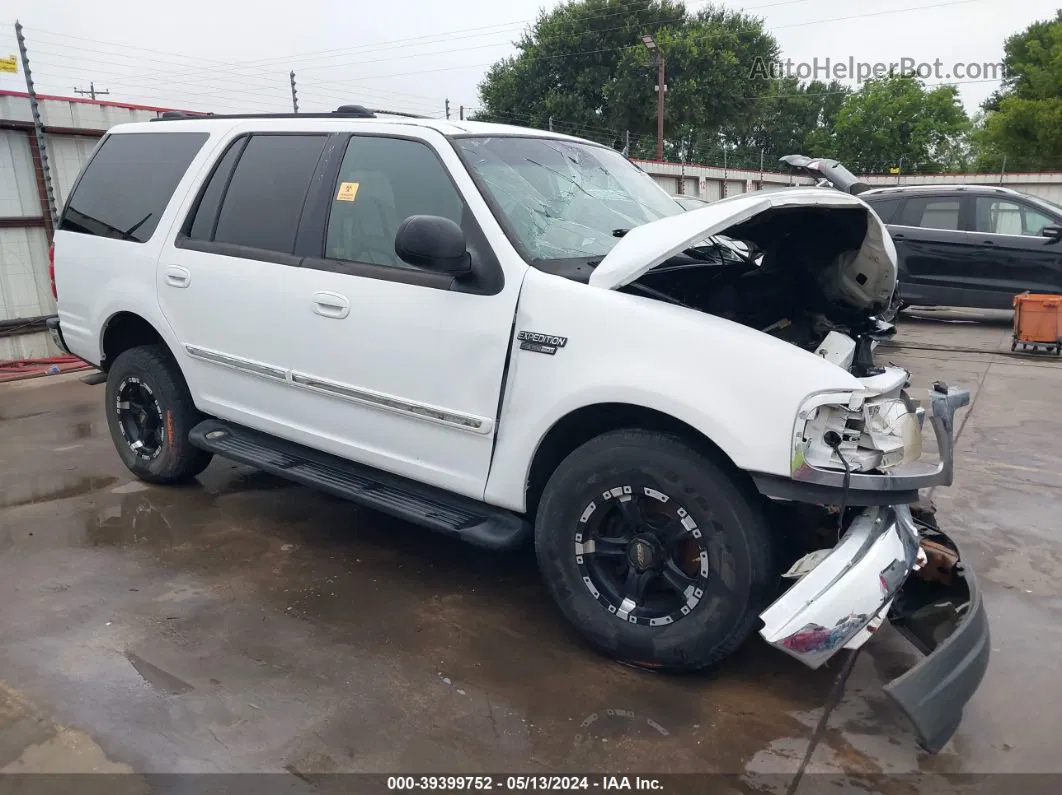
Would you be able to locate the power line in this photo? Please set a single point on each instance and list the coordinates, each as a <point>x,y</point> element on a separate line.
<point>131,80</point>
<point>638,46</point>
<point>856,91</point>
<point>276,90</point>
<point>90,91</point>
<point>139,80</point>
<point>876,14</point>
<point>427,39</point>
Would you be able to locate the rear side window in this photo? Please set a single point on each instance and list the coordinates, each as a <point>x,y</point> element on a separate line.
<point>932,212</point>
<point>262,205</point>
<point>128,183</point>
<point>885,208</point>
<point>206,212</point>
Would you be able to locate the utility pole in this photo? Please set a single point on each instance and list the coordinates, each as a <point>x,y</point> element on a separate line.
<point>294,93</point>
<point>45,173</point>
<point>462,113</point>
<point>762,150</point>
<point>682,170</point>
<point>92,92</point>
<point>899,170</point>
<point>627,144</point>
<point>661,89</point>
<point>447,109</point>
<point>551,124</point>
<point>724,168</point>
<point>1003,170</point>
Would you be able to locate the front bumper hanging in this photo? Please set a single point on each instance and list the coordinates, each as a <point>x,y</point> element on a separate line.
<point>865,578</point>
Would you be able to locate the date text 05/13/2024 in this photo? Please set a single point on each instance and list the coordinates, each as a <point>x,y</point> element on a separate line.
<point>522,783</point>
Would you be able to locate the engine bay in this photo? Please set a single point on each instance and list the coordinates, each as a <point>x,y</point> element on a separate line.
<point>780,273</point>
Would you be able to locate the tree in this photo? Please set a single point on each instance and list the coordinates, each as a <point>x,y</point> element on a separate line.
<point>896,122</point>
<point>584,64</point>
<point>791,118</point>
<point>565,62</point>
<point>1023,120</point>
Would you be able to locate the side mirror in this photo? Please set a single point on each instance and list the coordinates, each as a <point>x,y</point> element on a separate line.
<point>1053,232</point>
<point>435,243</point>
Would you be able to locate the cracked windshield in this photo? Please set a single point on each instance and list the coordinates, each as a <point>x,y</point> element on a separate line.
<point>565,200</point>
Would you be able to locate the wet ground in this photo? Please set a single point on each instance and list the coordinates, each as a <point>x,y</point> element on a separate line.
<point>244,624</point>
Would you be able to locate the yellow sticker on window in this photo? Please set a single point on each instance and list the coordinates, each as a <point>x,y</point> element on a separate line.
<point>348,191</point>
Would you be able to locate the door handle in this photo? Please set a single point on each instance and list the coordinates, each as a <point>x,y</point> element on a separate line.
<point>989,242</point>
<point>331,305</point>
<point>898,236</point>
<point>176,276</point>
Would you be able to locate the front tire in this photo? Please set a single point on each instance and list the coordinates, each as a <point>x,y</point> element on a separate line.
<point>149,414</point>
<point>653,552</point>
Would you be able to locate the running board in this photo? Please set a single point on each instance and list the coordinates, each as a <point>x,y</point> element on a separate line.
<point>470,520</point>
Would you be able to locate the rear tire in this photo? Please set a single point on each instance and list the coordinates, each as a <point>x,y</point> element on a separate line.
<point>149,413</point>
<point>701,563</point>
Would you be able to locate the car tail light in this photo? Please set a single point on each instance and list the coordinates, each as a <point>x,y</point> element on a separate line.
<point>51,270</point>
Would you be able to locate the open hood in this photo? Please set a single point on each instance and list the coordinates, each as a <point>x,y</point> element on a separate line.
<point>861,277</point>
<point>829,170</point>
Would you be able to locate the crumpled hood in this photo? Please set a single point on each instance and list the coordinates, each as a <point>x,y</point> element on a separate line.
<point>862,278</point>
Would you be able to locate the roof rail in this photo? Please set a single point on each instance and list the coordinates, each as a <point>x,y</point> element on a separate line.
<point>343,111</point>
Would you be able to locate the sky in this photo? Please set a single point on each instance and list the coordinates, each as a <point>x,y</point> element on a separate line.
<point>413,55</point>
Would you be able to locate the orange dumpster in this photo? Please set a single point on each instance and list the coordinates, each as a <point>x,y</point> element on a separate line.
<point>1038,322</point>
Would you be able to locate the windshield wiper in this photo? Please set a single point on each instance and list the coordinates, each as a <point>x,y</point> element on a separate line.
<point>649,291</point>
<point>620,232</point>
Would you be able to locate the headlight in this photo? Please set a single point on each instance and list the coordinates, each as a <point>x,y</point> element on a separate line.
<point>876,434</point>
<point>893,429</point>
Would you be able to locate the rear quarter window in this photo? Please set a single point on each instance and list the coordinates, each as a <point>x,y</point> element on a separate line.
<point>886,207</point>
<point>128,183</point>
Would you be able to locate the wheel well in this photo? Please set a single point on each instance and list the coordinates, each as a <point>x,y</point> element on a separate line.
<point>123,331</point>
<point>582,425</point>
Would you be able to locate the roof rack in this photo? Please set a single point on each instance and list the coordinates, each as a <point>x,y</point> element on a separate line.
<point>343,111</point>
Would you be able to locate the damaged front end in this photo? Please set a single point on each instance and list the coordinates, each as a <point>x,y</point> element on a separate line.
<point>891,561</point>
<point>816,268</point>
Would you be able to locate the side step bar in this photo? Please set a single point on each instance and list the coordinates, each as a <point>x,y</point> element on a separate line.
<point>470,520</point>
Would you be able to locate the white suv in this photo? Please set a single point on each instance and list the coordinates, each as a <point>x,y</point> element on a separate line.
<point>505,334</point>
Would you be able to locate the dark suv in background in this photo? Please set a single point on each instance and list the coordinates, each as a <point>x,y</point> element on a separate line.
<point>971,245</point>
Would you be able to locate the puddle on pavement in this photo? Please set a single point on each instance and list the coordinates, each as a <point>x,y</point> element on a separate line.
<point>159,679</point>
<point>131,521</point>
<point>23,416</point>
<point>46,488</point>
<point>86,429</point>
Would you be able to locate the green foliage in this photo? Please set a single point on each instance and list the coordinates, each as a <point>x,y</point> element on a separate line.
<point>897,117</point>
<point>1023,120</point>
<point>583,64</point>
<point>565,63</point>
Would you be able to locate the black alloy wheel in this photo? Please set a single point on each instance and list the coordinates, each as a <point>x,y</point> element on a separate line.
<point>140,418</point>
<point>642,555</point>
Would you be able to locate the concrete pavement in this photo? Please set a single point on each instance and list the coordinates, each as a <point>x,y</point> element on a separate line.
<point>243,624</point>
